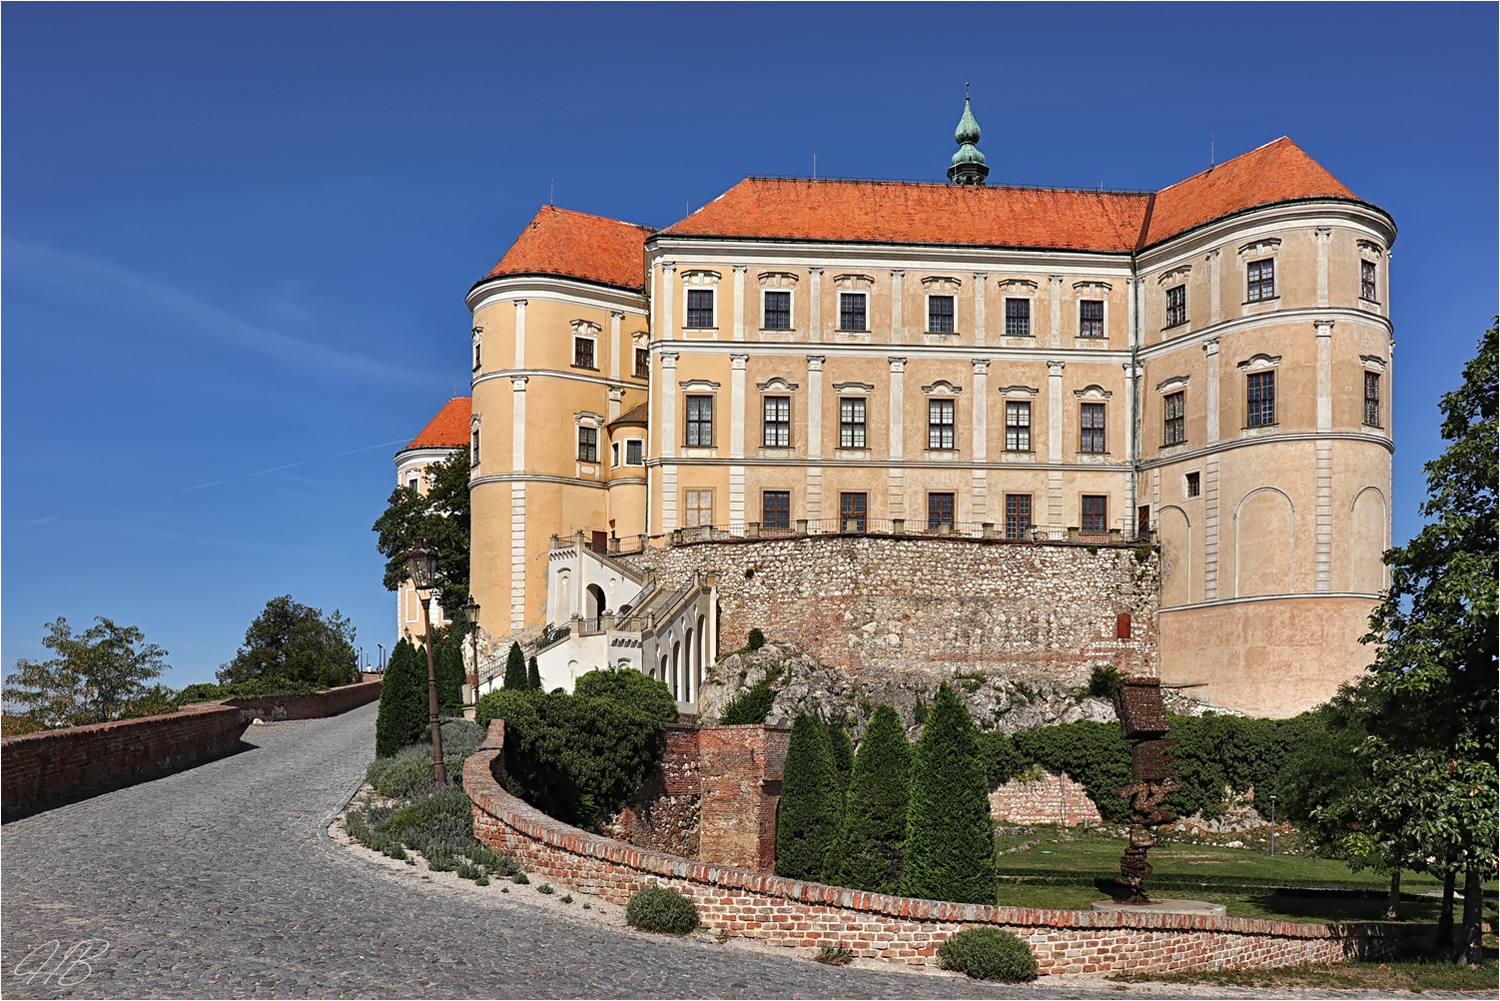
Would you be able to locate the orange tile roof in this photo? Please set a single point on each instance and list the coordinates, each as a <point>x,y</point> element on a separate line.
<point>890,212</point>
<point>1276,172</point>
<point>577,245</point>
<point>449,429</point>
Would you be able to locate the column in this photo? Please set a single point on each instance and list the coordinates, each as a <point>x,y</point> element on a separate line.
<point>1054,333</point>
<point>979,294</point>
<point>520,333</point>
<point>737,405</point>
<point>897,301</point>
<point>739,302</point>
<point>668,287</point>
<point>1213,286</point>
<point>1055,435</point>
<point>614,343</point>
<point>815,307</point>
<point>1323,233</point>
<point>1323,570</point>
<point>980,448</point>
<point>814,497</point>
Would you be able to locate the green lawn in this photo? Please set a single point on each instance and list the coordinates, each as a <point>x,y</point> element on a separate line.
<point>1396,975</point>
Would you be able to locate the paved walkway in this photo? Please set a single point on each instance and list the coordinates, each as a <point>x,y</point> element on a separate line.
<point>219,882</point>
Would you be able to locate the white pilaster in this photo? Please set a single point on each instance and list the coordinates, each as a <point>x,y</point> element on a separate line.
<point>897,301</point>
<point>1211,389</point>
<point>979,294</point>
<point>614,343</point>
<point>518,424</point>
<point>1054,332</point>
<point>1323,576</point>
<point>520,333</point>
<point>1323,233</point>
<point>668,313</point>
<point>814,407</point>
<point>1325,374</point>
<point>1055,433</point>
<point>980,477</point>
<point>1211,528</point>
<point>517,555</point>
<point>815,306</point>
<point>1213,286</point>
<point>740,305</point>
<point>669,405</point>
<point>898,388</point>
<point>616,396</point>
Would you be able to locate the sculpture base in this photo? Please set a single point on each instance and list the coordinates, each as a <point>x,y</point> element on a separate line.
<point>1200,907</point>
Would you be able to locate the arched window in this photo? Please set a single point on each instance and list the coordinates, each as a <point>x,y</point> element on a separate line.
<point>687,670</point>
<point>698,659</point>
<point>676,667</point>
<point>596,601</point>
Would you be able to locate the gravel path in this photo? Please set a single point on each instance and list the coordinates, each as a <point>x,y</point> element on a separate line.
<point>220,881</point>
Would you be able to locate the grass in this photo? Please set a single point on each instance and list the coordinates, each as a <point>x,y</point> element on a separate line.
<point>1396,975</point>
<point>1271,904</point>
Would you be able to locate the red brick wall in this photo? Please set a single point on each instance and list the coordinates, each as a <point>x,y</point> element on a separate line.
<point>665,814</point>
<point>740,773</point>
<point>898,929</point>
<point>39,767</point>
<point>1052,799</point>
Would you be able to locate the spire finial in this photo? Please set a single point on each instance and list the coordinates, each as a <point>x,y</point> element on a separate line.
<point>967,166</point>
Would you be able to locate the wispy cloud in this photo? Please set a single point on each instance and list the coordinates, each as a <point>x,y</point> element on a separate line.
<point>170,306</point>
<point>294,465</point>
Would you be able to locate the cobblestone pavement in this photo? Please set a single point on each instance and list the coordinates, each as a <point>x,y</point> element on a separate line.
<point>218,881</point>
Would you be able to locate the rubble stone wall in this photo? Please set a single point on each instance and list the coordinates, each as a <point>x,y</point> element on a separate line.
<point>1052,799</point>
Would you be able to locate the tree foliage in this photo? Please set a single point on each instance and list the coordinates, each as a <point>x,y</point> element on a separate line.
<point>515,670</point>
<point>950,836</point>
<point>289,641</point>
<point>440,518</point>
<point>811,804</point>
<point>868,851</point>
<point>534,676</point>
<point>404,714</point>
<point>640,692</point>
<point>843,755</point>
<point>94,676</point>
<point>1094,754</point>
<point>750,706</point>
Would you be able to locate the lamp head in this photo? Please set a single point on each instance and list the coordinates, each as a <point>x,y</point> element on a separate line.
<point>422,566</point>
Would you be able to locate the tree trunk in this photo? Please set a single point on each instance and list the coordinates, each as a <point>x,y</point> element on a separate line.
<point>1473,916</point>
<point>1445,917</point>
<point>1393,903</point>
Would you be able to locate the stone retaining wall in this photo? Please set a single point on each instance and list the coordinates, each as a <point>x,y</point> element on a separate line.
<point>872,602</point>
<point>36,768</point>
<point>1052,799</point>
<point>898,929</point>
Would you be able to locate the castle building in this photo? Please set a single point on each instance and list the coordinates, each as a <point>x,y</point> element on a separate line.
<point>1207,367</point>
<point>448,430</point>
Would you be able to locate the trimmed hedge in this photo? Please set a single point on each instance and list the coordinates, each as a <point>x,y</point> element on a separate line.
<point>867,854</point>
<point>812,806</point>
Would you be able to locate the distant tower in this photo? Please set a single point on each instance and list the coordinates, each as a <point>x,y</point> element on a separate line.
<point>968,163</point>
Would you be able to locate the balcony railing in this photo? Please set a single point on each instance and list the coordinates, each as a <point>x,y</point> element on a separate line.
<point>1127,532</point>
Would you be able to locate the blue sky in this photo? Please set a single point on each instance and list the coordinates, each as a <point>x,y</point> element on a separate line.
<point>237,237</point>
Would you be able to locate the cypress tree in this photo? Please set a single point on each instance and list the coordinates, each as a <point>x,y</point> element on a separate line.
<point>811,805</point>
<point>950,838</point>
<point>843,755</point>
<point>448,666</point>
<point>515,669</point>
<point>403,701</point>
<point>867,853</point>
<point>533,677</point>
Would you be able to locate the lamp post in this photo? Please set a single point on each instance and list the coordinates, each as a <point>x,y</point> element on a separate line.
<point>1273,825</point>
<point>422,565</point>
<point>471,609</point>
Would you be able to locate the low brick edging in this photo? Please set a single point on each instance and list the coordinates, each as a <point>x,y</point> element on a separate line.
<point>789,912</point>
<point>37,768</point>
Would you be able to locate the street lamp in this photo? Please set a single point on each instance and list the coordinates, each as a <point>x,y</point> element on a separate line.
<point>471,611</point>
<point>422,566</point>
<point>1273,825</point>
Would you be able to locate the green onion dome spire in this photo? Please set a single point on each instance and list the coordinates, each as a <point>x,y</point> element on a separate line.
<point>968,166</point>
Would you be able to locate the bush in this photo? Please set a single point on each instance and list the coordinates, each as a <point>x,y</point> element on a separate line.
<point>659,909</point>
<point>1094,754</point>
<point>533,677</point>
<point>158,700</point>
<point>867,853</point>
<point>448,669</point>
<point>204,692</point>
<point>403,701</point>
<point>950,835</point>
<point>752,706</point>
<point>999,757</point>
<point>630,688</point>
<point>988,954</point>
<point>757,639</point>
<point>515,669</point>
<point>843,755</point>
<point>410,769</point>
<point>812,806</point>
<point>1103,681</point>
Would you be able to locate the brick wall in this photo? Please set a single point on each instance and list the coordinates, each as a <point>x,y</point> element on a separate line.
<point>898,929</point>
<point>860,602</point>
<point>741,780</point>
<point>1053,799</point>
<point>36,768</point>
<point>665,814</point>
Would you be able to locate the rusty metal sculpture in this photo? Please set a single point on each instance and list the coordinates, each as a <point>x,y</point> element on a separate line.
<point>1143,719</point>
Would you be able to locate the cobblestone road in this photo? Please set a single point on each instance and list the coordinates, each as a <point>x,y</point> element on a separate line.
<point>218,882</point>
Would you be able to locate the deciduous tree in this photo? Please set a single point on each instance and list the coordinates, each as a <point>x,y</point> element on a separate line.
<point>293,642</point>
<point>440,518</point>
<point>95,674</point>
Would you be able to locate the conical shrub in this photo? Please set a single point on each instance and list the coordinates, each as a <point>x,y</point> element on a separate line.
<point>515,669</point>
<point>867,853</point>
<point>448,665</point>
<point>950,838</point>
<point>808,819</point>
<point>843,755</point>
<point>533,677</point>
<point>403,715</point>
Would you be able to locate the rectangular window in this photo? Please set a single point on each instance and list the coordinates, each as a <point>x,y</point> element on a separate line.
<point>1090,318</point>
<point>1261,394</point>
<point>940,424</point>
<point>588,444</point>
<point>852,422</point>
<point>852,311</point>
<point>1372,399</point>
<point>700,305</point>
<point>1017,515</point>
<point>1262,280</point>
<point>1017,317</point>
<point>1095,514</point>
<point>635,451</point>
<point>614,455</point>
<point>1173,421</point>
<point>778,311</point>
<point>1193,485</point>
<point>852,512</point>
<point>476,354</point>
<point>1367,280</point>
<point>776,425</point>
<point>642,363</point>
<point>939,511</point>
<point>1017,426</point>
<point>940,314</point>
<point>700,422</point>
<point>474,447</point>
<point>776,510</point>
<point>1091,425</point>
<point>583,352</point>
<point>697,508</point>
<point>1176,305</point>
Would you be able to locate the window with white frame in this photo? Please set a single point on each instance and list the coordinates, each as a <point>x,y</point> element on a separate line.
<point>1261,280</point>
<point>478,340</point>
<point>1017,515</point>
<point>776,310</point>
<point>588,444</point>
<point>940,314</point>
<point>1176,306</point>
<point>642,363</point>
<point>474,443</point>
<point>700,422</point>
<point>1095,513</point>
<point>697,508</point>
<point>1017,317</point>
<point>776,421</point>
<point>1367,280</point>
<point>583,352</point>
<point>852,311</point>
<point>1091,318</point>
<point>700,308</point>
<point>852,422</point>
<point>1174,418</point>
<point>1372,399</point>
<point>940,424</point>
<point>1017,426</point>
<point>614,455</point>
<point>635,452</point>
<point>1091,428</point>
<point>414,481</point>
<point>1260,397</point>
